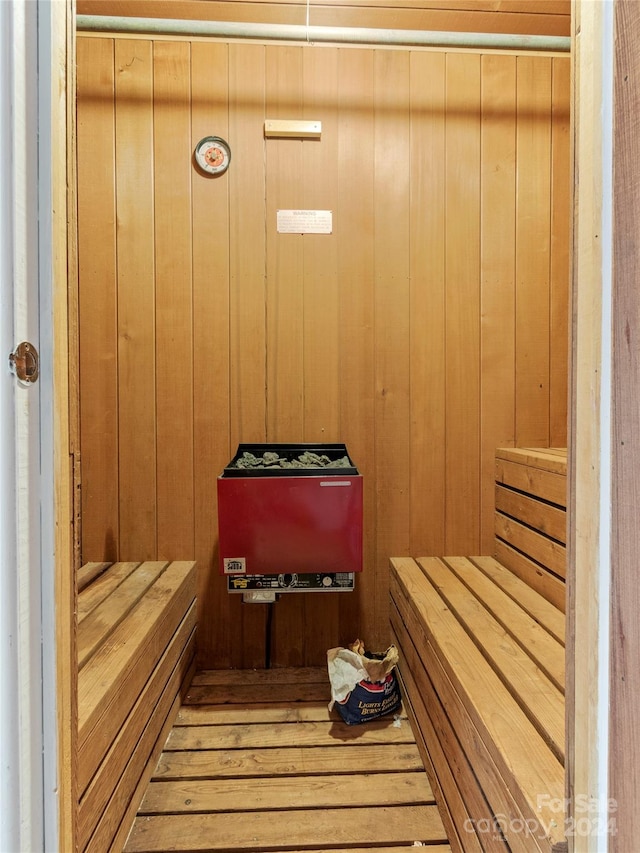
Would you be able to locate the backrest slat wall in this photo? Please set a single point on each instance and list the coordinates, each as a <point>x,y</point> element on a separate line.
<point>531,518</point>
<point>428,329</point>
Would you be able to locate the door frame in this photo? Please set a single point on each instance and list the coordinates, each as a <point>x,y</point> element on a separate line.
<point>590,476</point>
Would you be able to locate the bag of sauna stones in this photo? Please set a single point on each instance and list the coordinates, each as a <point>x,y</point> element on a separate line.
<point>364,685</point>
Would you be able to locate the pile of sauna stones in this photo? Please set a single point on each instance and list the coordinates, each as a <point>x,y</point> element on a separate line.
<point>308,459</point>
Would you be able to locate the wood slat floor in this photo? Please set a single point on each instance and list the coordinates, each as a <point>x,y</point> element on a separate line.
<point>256,762</point>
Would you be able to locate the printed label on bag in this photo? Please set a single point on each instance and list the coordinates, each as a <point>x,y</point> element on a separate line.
<point>235,565</point>
<point>369,700</point>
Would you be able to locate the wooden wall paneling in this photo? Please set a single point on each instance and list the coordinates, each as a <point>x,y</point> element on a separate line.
<point>392,304</point>
<point>284,290</point>
<point>174,301</point>
<point>395,347</point>
<point>462,304</point>
<point>533,241</point>
<point>284,99</point>
<point>247,350</point>
<point>550,17</point>
<point>561,192</point>
<point>136,299</point>
<point>497,275</point>
<point>247,243</point>
<point>320,272</point>
<point>217,628</point>
<point>98,299</point>
<point>321,314</point>
<point>354,228</point>
<point>427,305</point>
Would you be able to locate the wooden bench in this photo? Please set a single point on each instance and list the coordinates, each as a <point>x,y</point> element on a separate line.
<point>481,644</point>
<point>135,649</point>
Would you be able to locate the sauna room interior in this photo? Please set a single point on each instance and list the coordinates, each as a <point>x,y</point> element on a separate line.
<point>426,328</point>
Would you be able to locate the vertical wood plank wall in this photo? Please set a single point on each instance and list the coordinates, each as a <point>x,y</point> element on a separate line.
<point>428,329</point>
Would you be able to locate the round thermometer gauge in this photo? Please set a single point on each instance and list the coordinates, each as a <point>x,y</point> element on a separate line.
<point>213,155</point>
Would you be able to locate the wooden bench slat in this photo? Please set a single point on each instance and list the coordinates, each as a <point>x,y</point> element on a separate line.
<point>236,694</point>
<point>524,758</point>
<point>112,679</point>
<point>466,740</point>
<point>433,848</point>
<point>553,459</point>
<point>548,585</point>
<point>114,608</point>
<point>266,735</point>
<point>546,518</point>
<point>292,676</point>
<point>448,767</point>
<point>208,714</point>
<point>328,791</point>
<point>545,551</point>
<point>538,697</point>
<point>547,485</point>
<point>454,737</point>
<point>117,775</point>
<point>308,828</point>
<point>131,810</point>
<point>541,646</point>
<point>102,587</point>
<point>223,763</point>
<point>537,606</point>
<point>482,654</point>
<point>88,573</point>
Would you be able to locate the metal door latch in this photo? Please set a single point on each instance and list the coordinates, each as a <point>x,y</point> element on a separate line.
<point>25,363</point>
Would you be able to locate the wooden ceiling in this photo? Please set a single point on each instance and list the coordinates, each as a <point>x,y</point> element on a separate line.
<point>527,17</point>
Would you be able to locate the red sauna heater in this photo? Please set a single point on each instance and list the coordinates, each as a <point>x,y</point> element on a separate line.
<point>290,519</point>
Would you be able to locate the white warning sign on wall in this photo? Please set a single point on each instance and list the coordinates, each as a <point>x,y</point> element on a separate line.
<point>304,221</point>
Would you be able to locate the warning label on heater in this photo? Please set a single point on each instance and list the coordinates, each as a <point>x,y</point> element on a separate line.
<point>235,566</point>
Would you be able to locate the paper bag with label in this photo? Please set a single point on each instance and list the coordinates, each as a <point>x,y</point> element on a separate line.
<point>363,684</point>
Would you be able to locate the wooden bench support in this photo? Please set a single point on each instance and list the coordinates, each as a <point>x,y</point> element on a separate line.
<point>136,645</point>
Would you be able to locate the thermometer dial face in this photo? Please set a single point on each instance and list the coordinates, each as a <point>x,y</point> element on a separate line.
<point>213,155</point>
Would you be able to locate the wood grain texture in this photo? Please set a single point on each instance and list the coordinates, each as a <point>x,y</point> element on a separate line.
<point>427,305</point>
<point>98,304</point>
<point>136,301</point>
<point>392,305</point>
<point>211,344</point>
<point>321,310</point>
<point>355,233</point>
<point>135,649</point>
<point>497,273</point>
<point>462,304</point>
<point>533,139</point>
<point>528,599</point>
<point>173,299</point>
<point>113,678</point>
<point>285,300</point>
<point>262,783</point>
<point>561,203</point>
<point>310,760</point>
<point>395,334</point>
<point>624,737</point>
<point>550,17</point>
<point>532,636</point>
<point>449,770</point>
<point>247,310</point>
<point>505,734</point>
<point>535,693</point>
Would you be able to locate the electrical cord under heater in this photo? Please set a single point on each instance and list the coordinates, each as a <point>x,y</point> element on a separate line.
<point>267,639</point>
